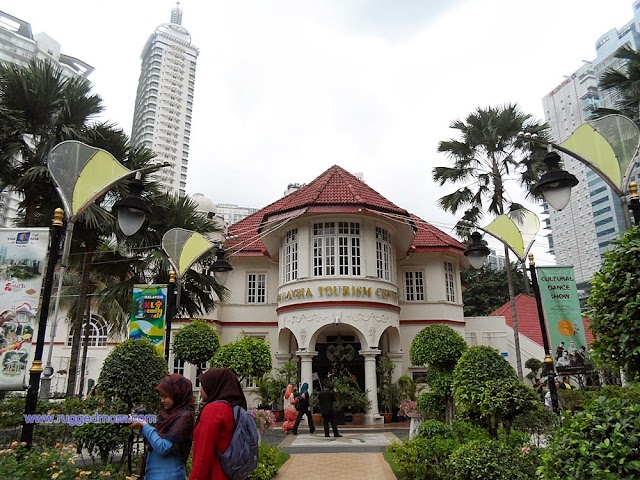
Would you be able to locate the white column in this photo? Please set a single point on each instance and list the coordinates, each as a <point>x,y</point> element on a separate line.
<point>306,367</point>
<point>396,358</point>
<point>372,415</point>
<point>281,359</point>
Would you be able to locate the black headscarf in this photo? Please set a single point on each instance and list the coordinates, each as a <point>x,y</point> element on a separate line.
<point>222,384</point>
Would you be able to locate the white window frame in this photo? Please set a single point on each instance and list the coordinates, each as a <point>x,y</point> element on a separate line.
<point>450,281</point>
<point>384,254</point>
<point>415,286</point>
<point>290,256</point>
<point>178,366</point>
<point>256,287</point>
<point>336,249</point>
<point>200,369</point>
<point>98,334</point>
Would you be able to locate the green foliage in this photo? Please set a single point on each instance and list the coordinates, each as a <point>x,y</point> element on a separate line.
<point>422,458</point>
<point>537,423</point>
<point>502,401</point>
<point>196,342</point>
<point>434,428</point>
<point>132,371</point>
<point>439,346</point>
<point>614,306</point>
<point>430,406</point>
<point>103,438</point>
<point>247,357</point>
<point>477,366</point>
<point>487,289</point>
<point>408,388</point>
<point>601,442</point>
<point>534,365</point>
<point>464,431</point>
<point>18,463</point>
<point>270,459</point>
<point>389,391</point>
<point>491,460</point>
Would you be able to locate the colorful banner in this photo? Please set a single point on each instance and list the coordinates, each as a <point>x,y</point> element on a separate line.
<point>148,313</point>
<point>561,306</point>
<point>23,254</point>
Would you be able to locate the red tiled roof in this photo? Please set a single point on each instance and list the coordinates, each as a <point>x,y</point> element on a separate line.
<point>528,321</point>
<point>335,190</point>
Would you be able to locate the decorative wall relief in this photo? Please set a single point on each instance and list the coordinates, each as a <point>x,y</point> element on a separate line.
<point>303,337</point>
<point>373,334</point>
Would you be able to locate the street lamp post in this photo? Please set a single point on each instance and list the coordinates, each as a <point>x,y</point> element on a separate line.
<point>36,367</point>
<point>548,360</point>
<point>82,174</point>
<point>183,248</point>
<point>477,253</point>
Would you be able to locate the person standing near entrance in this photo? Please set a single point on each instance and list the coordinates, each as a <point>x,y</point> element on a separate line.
<point>326,399</point>
<point>303,409</point>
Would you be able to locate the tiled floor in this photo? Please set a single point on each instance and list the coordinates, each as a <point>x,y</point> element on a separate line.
<point>356,455</point>
<point>336,466</point>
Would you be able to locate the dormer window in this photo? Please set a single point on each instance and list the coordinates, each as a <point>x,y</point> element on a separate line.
<point>384,255</point>
<point>290,256</point>
<point>336,249</point>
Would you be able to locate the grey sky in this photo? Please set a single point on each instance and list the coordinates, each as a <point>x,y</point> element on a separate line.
<point>287,88</point>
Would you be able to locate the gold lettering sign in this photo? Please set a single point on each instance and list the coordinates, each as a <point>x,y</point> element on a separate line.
<point>339,291</point>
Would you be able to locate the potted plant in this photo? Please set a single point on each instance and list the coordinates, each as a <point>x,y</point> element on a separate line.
<point>360,403</point>
<point>317,416</point>
<point>264,392</point>
<point>389,391</point>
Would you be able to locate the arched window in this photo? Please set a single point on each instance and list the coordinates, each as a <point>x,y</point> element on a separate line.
<point>97,332</point>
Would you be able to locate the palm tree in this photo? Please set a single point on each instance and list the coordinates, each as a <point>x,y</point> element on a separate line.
<point>39,108</point>
<point>625,84</point>
<point>487,156</point>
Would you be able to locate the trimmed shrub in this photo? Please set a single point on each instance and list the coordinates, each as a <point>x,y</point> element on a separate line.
<point>422,458</point>
<point>270,459</point>
<point>247,357</point>
<point>195,343</point>
<point>602,442</point>
<point>492,460</point>
<point>434,428</point>
<point>131,372</point>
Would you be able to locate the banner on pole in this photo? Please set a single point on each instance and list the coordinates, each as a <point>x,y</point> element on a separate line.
<point>148,313</point>
<point>561,307</point>
<point>23,254</point>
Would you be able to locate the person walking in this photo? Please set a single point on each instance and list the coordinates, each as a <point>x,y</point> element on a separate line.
<point>221,391</point>
<point>167,446</point>
<point>303,409</point>
<point>290,409</point>
<point>326,399</point>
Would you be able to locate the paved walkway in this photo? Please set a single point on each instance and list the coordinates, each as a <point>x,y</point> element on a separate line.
<point>357,454</point>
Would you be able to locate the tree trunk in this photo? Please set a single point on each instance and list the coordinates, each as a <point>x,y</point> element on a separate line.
<point>85,346</point>
<point>514,315</point>
<point>77,324</point>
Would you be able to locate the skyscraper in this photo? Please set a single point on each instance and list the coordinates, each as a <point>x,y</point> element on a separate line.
<point>18,45</point>
<point>162,115</point>
<point>583,231</point>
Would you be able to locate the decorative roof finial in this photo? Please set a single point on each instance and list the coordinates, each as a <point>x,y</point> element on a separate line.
<point>176,14</point>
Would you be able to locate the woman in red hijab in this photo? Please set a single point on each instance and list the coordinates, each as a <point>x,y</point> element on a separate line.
<point>214,426</point>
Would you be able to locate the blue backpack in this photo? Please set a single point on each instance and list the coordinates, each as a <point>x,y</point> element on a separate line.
<point>241,458</point>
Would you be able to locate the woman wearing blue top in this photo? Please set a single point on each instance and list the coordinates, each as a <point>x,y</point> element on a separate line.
<point>168,445</point>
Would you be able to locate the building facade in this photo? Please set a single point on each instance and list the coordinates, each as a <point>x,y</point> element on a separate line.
<point>164,101</point>
<point>584,230</point>
<point>333,271</point>
<point>18,45</point>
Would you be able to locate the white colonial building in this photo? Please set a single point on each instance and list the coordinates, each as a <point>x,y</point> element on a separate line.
<point>334,270</point>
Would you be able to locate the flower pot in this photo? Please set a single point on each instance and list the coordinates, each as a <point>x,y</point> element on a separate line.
<point>388,417</point>
<point>357,418</point>
<point>279,414</point>
<point>317,419</point>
